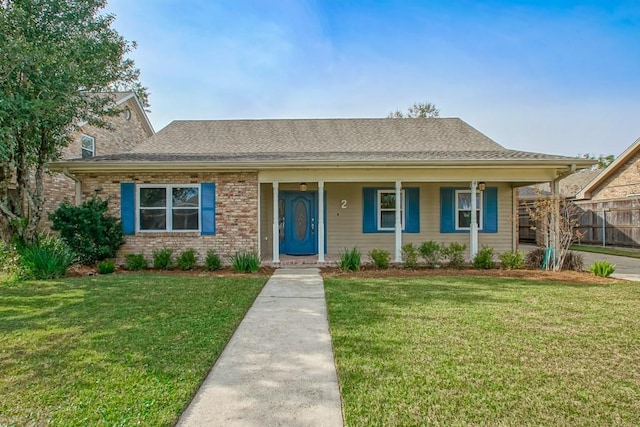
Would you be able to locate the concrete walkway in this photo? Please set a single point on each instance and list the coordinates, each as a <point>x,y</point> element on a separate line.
<point>278,368</point>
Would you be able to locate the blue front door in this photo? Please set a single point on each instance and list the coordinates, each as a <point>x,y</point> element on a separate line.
<point>298,222</point>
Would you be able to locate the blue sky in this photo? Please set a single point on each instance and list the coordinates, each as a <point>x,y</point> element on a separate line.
<point>557,76</point>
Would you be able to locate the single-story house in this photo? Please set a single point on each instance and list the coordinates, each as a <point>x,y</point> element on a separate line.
<point>315,186</point>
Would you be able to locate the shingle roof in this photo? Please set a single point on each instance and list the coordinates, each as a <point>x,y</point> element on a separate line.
<point>569,186</point>
<point>323,140</point>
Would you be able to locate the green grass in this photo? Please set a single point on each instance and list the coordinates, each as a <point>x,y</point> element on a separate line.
<point>113,350</point>
<point>485,351</point>
<point>606,251</point>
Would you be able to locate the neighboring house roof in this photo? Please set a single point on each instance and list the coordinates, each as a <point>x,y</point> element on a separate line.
<point>422,141</point>
<point>613,168</point>
<point>569,186</point>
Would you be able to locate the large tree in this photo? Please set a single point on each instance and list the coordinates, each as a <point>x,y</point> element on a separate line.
<point>419,110</point>
<point>58,61</point>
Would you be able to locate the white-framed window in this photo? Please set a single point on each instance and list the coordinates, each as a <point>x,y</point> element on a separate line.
<point>463,209</point>
<point>386,205</point>
<point>170,207</point>
<point>88,144</point>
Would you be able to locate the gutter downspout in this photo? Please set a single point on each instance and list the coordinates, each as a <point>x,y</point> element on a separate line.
<point>75,179</point>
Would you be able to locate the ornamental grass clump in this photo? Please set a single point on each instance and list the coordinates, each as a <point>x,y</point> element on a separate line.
<point>380,257</point>
<point>602,268</point>
<point>350,259</point>
<point>245,262</point>
<point>106,267</point>
<point>47,258</point>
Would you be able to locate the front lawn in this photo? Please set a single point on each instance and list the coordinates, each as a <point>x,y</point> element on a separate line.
<point>113,350</point>
<point>485,351</point>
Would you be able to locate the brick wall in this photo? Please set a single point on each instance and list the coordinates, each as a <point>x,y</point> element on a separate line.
<point>622,183</point>
<point>124,136</point>
<point>236,212</point>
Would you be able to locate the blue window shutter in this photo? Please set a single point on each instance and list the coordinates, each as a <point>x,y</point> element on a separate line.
<point>128,207</point>
<point>490,214</point>
<point>208,208</point>
<point>412,215</point>
<point>369,211</point>
<point>447,210</point>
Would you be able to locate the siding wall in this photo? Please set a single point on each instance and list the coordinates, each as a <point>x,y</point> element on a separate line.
<point>344,225</point>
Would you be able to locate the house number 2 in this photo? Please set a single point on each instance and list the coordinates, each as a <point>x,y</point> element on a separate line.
<point>343,204</point>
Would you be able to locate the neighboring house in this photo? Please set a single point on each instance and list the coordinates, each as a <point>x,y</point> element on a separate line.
<point>127,130</point>
<point>568,188</point>
<point>611,202</point>
<point>316,186</point>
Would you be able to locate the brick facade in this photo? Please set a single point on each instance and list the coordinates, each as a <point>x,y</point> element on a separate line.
<point>123,136</point>
<point>236,212</point>
<point>624,182</point>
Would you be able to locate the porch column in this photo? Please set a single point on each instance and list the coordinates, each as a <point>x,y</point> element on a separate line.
<point>398,226</point>
<point>473,229</point>
<point>276,229</point>
<point>320,221</point>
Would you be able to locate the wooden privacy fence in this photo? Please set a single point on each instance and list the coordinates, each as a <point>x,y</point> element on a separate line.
<point>620,218</point>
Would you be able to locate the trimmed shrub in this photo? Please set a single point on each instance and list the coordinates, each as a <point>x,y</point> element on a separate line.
<point>106,267</point>
<point>431,252</point>
<point>410,255</point>
<point>484,259</point>
<point>88,230</point>
<point>380,257</point>
<point>511,260</point>
<point>455,255</point>
<point>135,262</point>
<point>573,261</point>
<point>48,258</point>
<point>535,257</point>
<point>602,268</point>
<point>350,259</point>
<point>187,259</point>
<point>245,262</point>
<point>212,262</point>
<point>162,259</point>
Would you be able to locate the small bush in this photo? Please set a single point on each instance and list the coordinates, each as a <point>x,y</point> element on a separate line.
<point>88,230</point>
<point>573,261</point>
<point>350,259</point>
<point>602,268</point>
<point>212,262</point>
<point>162,259</point>
<point>245,262</point>
<point>187,259</point>
<point>431,252</point>
<point>455,255</point>
<point>11,263</point>
<point>106,267</point>
<point>410,255</point>
<point>484,259</point>
<point>48,258</point>
<point>380,257</point>
<point>135,262</point>
<point>511,260</point>
<point>535,258</point>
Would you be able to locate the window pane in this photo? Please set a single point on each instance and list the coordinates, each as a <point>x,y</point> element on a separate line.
<point>387,200</point>
<point>153,197</point>
<point>87,143</point>
<point>185,219</point>
<point>185,197</point>
<point>387,219</point>
<point>464,219</point>
<point>86,154</point>
<point>153,219</point>
<point>464,201</point>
